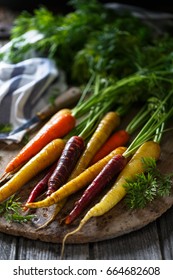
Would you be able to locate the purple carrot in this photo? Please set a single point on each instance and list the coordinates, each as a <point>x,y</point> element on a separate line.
<point>41,186</point>
<point>66,163</point>
<point>111,169</point>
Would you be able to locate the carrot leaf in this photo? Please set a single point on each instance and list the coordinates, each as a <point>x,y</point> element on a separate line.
<point>11,209</point>
<point>5,127</point>
<point>147,186</point>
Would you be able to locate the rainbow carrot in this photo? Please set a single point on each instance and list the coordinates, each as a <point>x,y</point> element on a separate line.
<point>121,137</point>
<point>117,191</point>
<point>108,123</point>
<point>49,154</point>
<point>111,169</point>
<point>41,186</point>
<point>76,184</point>
<point>66,163</point>
<point>118,138</point>
<point>58,126</point>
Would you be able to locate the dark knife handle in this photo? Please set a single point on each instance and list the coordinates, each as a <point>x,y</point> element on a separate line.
<point>65,100</point>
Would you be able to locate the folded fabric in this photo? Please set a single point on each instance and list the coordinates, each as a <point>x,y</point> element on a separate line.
<point>25,88</point>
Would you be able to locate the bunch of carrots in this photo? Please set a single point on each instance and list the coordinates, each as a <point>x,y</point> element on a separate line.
<point>81,148</point>
<point>72,160</point>
<point>69,162</point>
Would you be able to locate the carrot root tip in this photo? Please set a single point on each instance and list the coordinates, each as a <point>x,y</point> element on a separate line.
<point>65,238</point>
<point>67,221</point>
<point>4,176</point>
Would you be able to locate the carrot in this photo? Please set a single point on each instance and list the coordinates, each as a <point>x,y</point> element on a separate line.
<point>108,123</point>
<point>49,154</point>
<point>117,192</point>
<point>59,173</point>
<point>58,126</point>
<point>66,163</point>
<point>112,168</point>
<point>74,185</point>
<point>118,138</point>
<point>141,147</point>
<point>121,137</point>
<point>41,186</point>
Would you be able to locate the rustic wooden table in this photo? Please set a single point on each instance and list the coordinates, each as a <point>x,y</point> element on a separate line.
<point>153,242</point>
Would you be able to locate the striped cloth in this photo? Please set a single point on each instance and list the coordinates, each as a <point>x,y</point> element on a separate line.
<point>25,88</point>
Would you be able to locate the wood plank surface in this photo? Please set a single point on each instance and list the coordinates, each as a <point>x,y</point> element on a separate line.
<point>165,230</point>
<point>8,245</point>
<point>144,244</point>
<point>140,245</point>
<point>153,242</point>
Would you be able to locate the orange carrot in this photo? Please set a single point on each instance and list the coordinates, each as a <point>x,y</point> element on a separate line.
<point>118,138</point>
<point>58,126</point>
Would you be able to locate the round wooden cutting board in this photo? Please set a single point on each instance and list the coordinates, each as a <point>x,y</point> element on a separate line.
<point>116,222</point>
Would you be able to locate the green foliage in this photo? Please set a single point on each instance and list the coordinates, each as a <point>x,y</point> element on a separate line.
<point>111,50</point>
<point>11,209</point>
<point>5,127</point>
<point>145,187</point>
<point>93,41</point>
<point>91,38</point>
<point>92,32</point>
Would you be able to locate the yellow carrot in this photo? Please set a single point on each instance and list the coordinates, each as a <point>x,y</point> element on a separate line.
<point>39,162</point>
<point>117,192</point>
<point>109,122</point>
<point>77,183</point>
